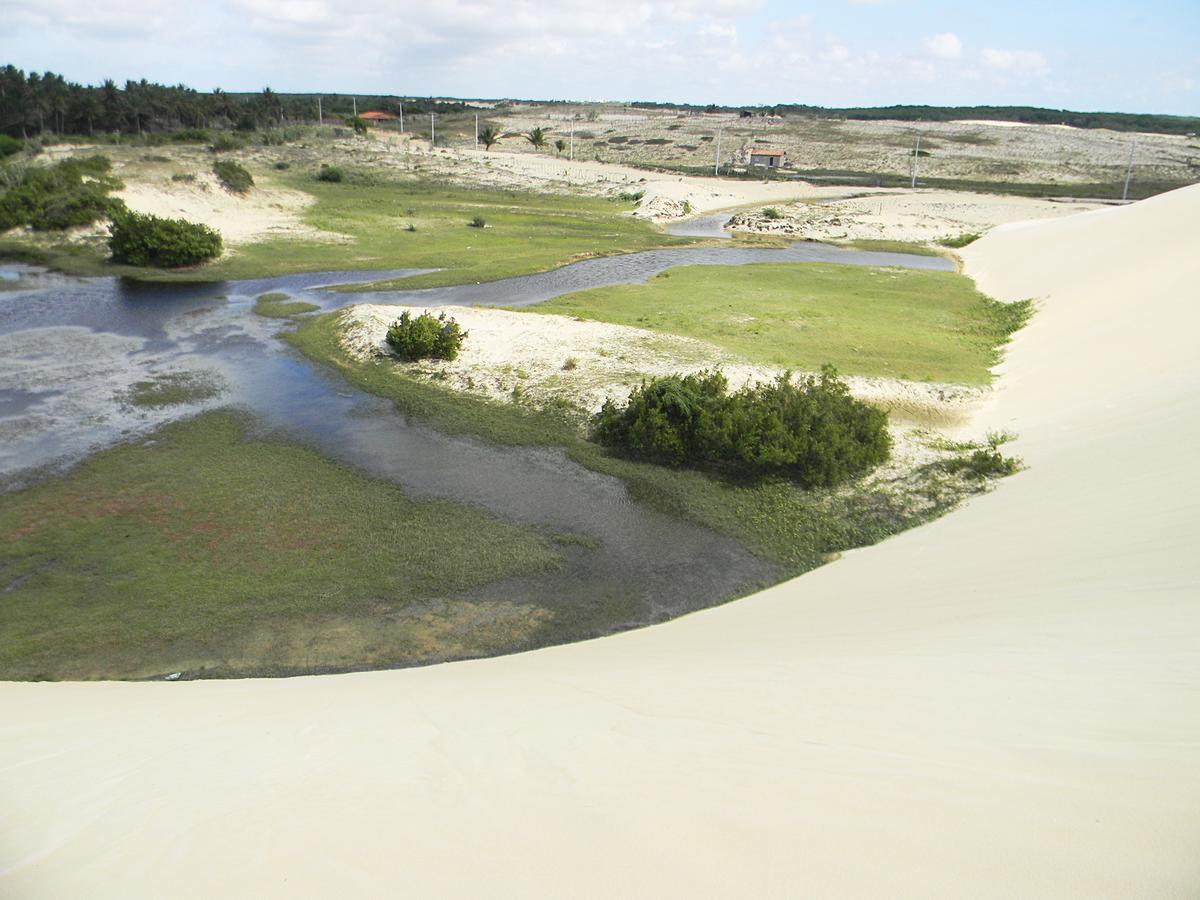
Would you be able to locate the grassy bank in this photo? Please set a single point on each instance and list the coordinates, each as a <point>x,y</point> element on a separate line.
<point>918,325</point>
<point>209,550</point>
<point>399,223</point>
<point>796,529</point>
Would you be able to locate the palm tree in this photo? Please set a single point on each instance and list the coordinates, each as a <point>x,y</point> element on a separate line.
<point>488,136</point>
<point>537,137</point>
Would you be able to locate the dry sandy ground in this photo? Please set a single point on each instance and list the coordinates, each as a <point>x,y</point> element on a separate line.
<point>528,353</point>
<point>259,214</point>
<point>1003,703</point>
<point>920,216</point>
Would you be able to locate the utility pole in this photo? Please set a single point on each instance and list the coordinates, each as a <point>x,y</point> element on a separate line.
<point>401,102</point>
<point>916,156</point>
<point>1129,170</point>
<point>572,153</point>
<point>320,115</point>
<point>432,133</point>
<point>476,131</point>
<point>717,163</point>
<point>354,100</point>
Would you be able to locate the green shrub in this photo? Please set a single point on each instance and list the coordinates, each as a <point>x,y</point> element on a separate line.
<point>59,196</point>
<point>961,241</point>
<point>190,136</point>
<point>9,146</point>
<point>811,431</point>
<point>183,176</point>
<point>144,240</point>
<point>426,337</point>
<point>478,222</point>
<point>233,176</point>
<point>330,173</point>
<point>282,166</point>
<point>224,142</point>
<point>772,213</point>
<point>631,196</point>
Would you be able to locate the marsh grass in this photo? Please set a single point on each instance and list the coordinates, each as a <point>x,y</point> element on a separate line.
<point>214,551</point>
<point>175,389</point>
<point>277,305</point>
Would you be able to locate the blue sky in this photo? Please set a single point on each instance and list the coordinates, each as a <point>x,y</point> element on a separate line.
<point>1101,55</point>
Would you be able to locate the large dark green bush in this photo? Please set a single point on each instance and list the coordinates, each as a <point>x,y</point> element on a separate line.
<point>144,240</point>
<point>330,173</point>
<point>9,146</point>
<point>810,430</point>
<point>67,194</point>
<point>233,176</point>
<point>426,337</point>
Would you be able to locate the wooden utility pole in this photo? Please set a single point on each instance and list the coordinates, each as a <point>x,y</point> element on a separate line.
<point>572,154</point>
<point>320,114</point>
<point>717,163</point>
<point>432,133</point>
<point>401,102</point>
<point>477,131</point>
<point>1129,170</point>
<point>354,100</point>
<point>916,156</point>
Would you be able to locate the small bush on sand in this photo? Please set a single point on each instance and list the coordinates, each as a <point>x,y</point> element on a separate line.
<point>65,195</point>
<point>961,241</point>
<point>426,337</point>
<point>144,240</point>
<point>233,176</point>
<point>282,166</point>
<point>478,222</point>
<point>811,431</point>
<point>772,213</point>
<point>330,173</point>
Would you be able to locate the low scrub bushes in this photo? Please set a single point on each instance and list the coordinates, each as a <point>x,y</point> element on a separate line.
<point>233,176</point>
<point>331,174</point>
<point>811,431</point>
<point>426,337</point>
<point>478,222</point>
<point>772,213</point>
<point>9,146</point>
<point>70,193</point>
<point>143,240</point>
<point>225,142</point>
<point>960,241</point>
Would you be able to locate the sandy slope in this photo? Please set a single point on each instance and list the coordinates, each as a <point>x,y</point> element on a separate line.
<point>1003,703</point>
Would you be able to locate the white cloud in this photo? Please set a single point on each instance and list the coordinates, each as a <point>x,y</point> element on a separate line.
<point>1016,62</point>
<point>945,46</point>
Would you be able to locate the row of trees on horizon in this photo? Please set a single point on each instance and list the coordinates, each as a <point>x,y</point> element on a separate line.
<point>46,102</point>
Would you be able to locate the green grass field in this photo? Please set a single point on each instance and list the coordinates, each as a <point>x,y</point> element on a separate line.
<point>275,305</point>
<point>213,551</point>
<point>900,323</point>
<point>525,232</point>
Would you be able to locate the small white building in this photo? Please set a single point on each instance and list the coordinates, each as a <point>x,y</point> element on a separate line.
<point>763,156</point>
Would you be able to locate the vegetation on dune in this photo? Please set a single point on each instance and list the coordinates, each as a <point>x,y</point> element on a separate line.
<point>536,137</point>
<point>902,323</point>
<point>960,240</point>
<point>425,336</point>
<point>775,517</point>
<point>233,176</point>
<point>330,174</point>
<point>145,240</point>
<point>811,430</point>
<point>67,194</point>
<point>213,551</point>
<point>489,135</point>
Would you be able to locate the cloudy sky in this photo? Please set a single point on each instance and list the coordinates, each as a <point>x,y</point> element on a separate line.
<point>1129,56</point>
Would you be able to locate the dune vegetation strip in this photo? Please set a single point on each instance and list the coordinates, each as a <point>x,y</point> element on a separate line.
<point>898,323</point>
<point>773,517</point>
<point>211,551</point>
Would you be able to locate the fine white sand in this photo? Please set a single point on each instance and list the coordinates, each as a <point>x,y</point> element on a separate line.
<point>1004,703</point>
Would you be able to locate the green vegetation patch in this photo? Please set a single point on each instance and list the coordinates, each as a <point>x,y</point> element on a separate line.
<point>175,389</point>
<point>526,233</point>
<point>882,246</point>
<point>211,551</point>
<point>233,175</point>
<point>773,517</point>
<point>425,336</point>
<point>276,305</point>
<point>901,323</point>
<point>146,240</point>
<point>67,194</point>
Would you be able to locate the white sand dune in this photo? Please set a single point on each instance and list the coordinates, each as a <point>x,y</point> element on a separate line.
<point>1005,703</point>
